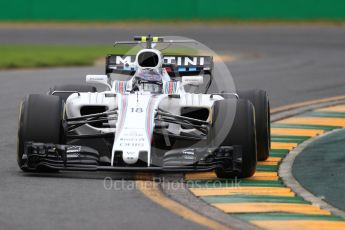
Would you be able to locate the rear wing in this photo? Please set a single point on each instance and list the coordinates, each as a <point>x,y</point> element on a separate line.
<point>175,64</point>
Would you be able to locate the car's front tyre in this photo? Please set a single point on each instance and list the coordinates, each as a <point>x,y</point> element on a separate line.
<point>234,124</point>
<point>39,121</point>
<point>260,101</point>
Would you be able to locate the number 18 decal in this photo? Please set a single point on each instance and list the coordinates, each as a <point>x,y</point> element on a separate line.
<point>136,110</point>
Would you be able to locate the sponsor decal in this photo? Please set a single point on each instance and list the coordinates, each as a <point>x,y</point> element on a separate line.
<point>188,152</point>
<point>179,60</point>
<point>73,149</point>
<point>184,61</point>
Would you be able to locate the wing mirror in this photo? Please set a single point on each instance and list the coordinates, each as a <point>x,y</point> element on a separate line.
<point>98,79</point>
<point>192,80</point>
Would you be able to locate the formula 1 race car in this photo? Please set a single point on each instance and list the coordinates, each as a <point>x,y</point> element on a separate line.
<point>156,112</point>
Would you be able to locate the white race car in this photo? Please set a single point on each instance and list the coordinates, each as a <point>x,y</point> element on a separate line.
<point>155,113</point>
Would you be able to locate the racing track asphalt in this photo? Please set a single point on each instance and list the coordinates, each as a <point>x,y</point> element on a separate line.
<point>293,63</point>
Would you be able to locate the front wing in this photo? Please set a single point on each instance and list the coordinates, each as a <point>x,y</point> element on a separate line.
<point>39,156</point>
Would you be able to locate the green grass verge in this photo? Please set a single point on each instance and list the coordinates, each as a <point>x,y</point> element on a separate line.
<point>35,56</point>
<point>31,56</point>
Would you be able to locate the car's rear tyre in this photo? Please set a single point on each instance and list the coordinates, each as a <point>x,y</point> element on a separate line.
<point>261,104</point>
<point>71,88</point>
<point>39,121</point>
<point>234,124</point>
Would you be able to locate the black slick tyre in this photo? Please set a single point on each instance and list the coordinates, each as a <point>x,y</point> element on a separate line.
<point>234,124</point>
<point>260,101</point>
<point>39,121</point>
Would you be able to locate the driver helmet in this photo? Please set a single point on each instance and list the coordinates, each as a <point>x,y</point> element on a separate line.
<point>149,80</point>
<point>149,75</point>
